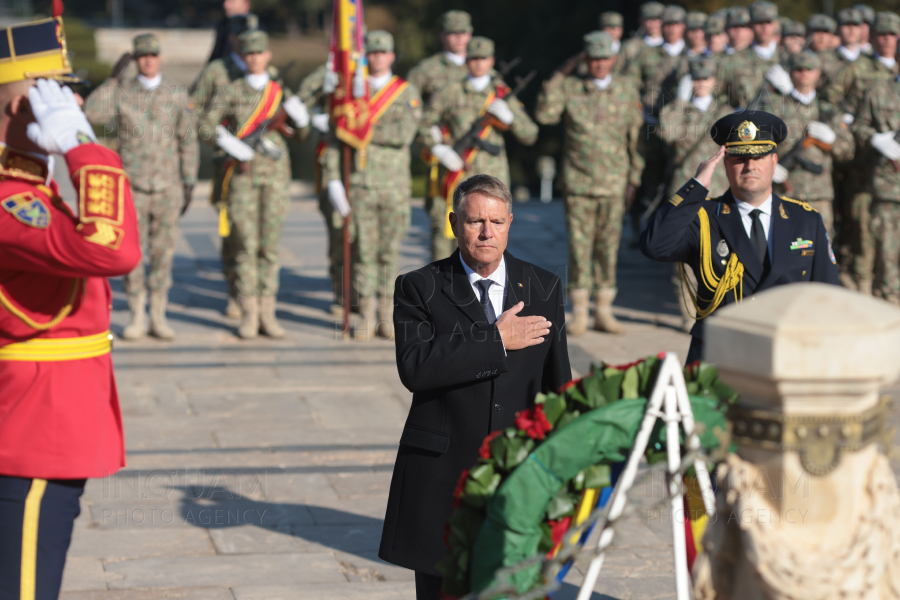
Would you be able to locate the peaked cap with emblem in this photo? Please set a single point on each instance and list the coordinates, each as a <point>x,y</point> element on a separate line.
<point>253,40</point>
<point>791,27</point>
<point>145,44</point>
<point>652,10</point>
<point>715,25</point>
<point>479,47</point>
<point>379,41</point>
<point>696,19</point>
<point>850,16</point>
<point>598,44</point>
<point>611,18</point>
<point>763,11</point>
<point>456,21</point>
<point>754,133</point>
<point>820,23</point>
<point>867,12</point>
<point>886,23</point>
<point>738,16</point>
<point>35,50</point>
<point>702,67</point>
<point>673,14</point>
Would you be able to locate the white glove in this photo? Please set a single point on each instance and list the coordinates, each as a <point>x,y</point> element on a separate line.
<point>59,120</point>
<point>232,145</point>
<point>821,132</point>
<point>297,111</point>
<point>448,157</point>
<point>886,144</point>
<point>848,119</point>
<point>320,122</point>
<point>686,88</point>
<point>436,134</point>
<point>780,175</point>
<point>780,79</point>
<point>500,109</point>
<point>337,195</point>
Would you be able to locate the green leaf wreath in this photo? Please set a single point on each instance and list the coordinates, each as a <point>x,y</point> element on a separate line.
<point>601,413</point>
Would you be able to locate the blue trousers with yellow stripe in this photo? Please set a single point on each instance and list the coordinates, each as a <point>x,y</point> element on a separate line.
<point>36,519</point>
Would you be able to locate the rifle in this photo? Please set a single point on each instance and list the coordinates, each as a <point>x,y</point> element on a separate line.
<point>471,139</point>
<point>796,158</point>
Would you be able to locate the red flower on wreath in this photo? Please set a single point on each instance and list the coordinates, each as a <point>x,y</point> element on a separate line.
<point>626,366</point>
<point>558,529</point>
<point>533,422</point>
<point>485,450</point>
<point>460,486</point>
<point>572,383</point>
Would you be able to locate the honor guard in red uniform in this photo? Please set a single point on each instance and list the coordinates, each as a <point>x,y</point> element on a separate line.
<point>59,411</point>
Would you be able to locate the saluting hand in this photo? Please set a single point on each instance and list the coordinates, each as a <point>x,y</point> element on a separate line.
<point>708,167</point>
<point>567,67</point>
<point>521,332</point>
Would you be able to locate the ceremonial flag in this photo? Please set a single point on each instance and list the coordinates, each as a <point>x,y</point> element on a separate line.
<point>348,72</point>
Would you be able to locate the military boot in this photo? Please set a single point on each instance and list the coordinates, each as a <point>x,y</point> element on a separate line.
<point>365,327</point>
<point>233,308</point>
<point>267,321</point>
<point>159,327</point>
<point>137,322</point>
<point>579,323</point>
<point>249,327</point>
<point>386,320</point>
<point>605,321</point>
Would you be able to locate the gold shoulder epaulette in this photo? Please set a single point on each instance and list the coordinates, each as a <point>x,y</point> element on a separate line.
<point>805,205</point>
<point>676,200</point>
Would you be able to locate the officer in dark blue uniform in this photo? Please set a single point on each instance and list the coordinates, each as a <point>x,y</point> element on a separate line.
<point>747,240</point>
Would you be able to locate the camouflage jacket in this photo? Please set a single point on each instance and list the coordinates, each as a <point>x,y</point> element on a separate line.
<point>832,62</point>
<point>600,155</point>
<point>685,129</point>
<point>218,73</point>
<point>657,75</point>
<point>628,51</point>
<point>797,116</point>
<point>879,112</point>
<point>156,131</point>
<point>740,75</point>
<point>458,107</point>
<point>233,105</point>
<point>850,84</point>
<point>311,91</point>
<point>386,162</point>
<point>434,74</point>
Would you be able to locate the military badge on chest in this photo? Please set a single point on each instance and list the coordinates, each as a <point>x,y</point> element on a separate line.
<point>722,250</point>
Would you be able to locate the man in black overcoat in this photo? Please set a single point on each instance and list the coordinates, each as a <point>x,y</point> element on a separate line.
<point>478,335</point>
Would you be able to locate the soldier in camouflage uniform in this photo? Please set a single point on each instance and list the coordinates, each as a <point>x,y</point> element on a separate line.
<point>257,191</point>
<point>875,129</point>
<point>216,75</point>
<point>434,74</point>
<point>695,34</point>
<point>811,122</point>
<point>849,30</point>
<point>157,140</point>
<point>716,38</point>
<point>648,34</point>
<point>380,189</point>
<point>740,33</point>
<point>865,29</point>
<point>856,248</point>
<point>820,30</point>
<point>793,39</point>
<point>601,166</point>
<point>741,74</point>
<point>684,127</point>
<point>462,103</point>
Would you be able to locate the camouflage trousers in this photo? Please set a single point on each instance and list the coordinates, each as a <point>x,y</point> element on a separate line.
<point>257,209</point>
<point>334,225</point>
<point>855,244</point>
<point>228,242</point>
<point>595,226</point>
<point>441,245</point>
<point>157,215</point>
<point>381,220</point>
<point>886,231</point>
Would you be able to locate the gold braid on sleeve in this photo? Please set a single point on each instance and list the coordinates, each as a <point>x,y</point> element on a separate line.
<point>731,279</point>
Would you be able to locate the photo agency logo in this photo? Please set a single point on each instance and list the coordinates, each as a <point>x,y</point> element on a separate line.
<point>222,497</point>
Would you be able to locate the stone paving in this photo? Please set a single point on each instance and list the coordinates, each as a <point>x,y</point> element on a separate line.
<point>260,470</point>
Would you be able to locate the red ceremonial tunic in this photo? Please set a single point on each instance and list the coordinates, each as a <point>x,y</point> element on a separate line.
<point>60,419</point>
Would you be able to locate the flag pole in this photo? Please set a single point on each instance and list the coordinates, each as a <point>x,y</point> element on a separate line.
<point>345,176</point>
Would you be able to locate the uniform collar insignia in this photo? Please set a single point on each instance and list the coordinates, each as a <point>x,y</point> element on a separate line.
<point>726,210</point>
<point>782,211</point>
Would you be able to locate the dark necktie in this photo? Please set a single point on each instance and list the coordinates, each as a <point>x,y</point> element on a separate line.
<point>486,306</point>
<point>758,235</point>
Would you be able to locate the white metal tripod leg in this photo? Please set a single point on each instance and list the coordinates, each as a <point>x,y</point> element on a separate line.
<point>676,503</point>
<point>692,441</point>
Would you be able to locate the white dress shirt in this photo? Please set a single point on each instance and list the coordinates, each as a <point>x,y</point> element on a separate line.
<point>888,62</point>
<point>653,42</point>
<point>617,45</point>
<point>376,83</point>
<point>497,291</point>
<point>702,102</point>
<point>765,52</point>
<point>456,59</point>
<point>849,54</point>
<point>603,83</point>
<point>805,99</point>
<point>480,83</point>
<point>765,218</point>
<point>150,83</point>
<point>673,49</point>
